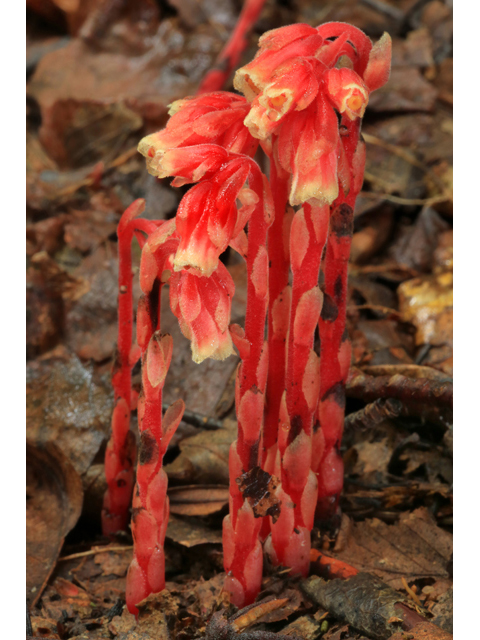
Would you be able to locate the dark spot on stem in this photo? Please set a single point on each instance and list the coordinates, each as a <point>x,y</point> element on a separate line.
<point>135,512</point>
<point>329,309</point>
<point>253,461</point>
<point>117,362</point>
<point>341,220</point>
<point>336,393</point>
<point>338,288</point>
<point>148,448</point>
<point>154,301</point>
<point>296,425</point>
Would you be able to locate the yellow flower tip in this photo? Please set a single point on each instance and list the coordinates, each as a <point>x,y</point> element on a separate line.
<point>244,83</point>
<point>146,146</point>
<point>188,258</point>
<point>218,347</point>
<point>176,106</point>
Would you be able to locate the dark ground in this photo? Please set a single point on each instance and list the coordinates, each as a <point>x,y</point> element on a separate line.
<point>100,76</point>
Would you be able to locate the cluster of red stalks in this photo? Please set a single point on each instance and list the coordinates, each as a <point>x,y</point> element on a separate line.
<point>304,95</point>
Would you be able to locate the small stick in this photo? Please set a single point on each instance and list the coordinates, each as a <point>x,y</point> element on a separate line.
<point>374,413</point>
<point>93,552</point>
<point>361,385</point>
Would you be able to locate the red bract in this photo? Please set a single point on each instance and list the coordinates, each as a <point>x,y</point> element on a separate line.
<point>202,306</point>
<point>305,95</point>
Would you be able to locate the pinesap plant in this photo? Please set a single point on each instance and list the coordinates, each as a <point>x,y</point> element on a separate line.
<point>304,96</point>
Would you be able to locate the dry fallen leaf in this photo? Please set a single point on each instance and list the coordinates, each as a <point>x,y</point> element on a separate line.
<point>197,500</point>
<point>204,457</point>
<point>414,548</point>
<point>54,503</point>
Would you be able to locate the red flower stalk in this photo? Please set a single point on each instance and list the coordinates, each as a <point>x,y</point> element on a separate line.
<point>349,93</point>
<point>230,54</point>
<point>121,449</point>
<point>150,506</point>
<point>241,545</point>
<point>278,314</point>
<point>208,220</point>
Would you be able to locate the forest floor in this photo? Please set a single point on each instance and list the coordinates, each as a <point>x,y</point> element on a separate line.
<point>99,76</point>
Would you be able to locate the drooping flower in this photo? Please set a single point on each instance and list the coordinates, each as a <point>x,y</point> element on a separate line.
<point>202,306</point>
<point>307,147</point>
<point>294,86</point>
<point>211,118</point>
<point>208,218</point>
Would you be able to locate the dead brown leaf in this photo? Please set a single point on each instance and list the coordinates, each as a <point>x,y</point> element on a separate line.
<point>197,500</point>
<point>203,457</point>
<point>414,548</point>
<point>190,533</point>
<point>69,405</point>
<point>54,503</point>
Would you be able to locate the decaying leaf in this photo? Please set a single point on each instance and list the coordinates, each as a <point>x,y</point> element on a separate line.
<point>190,533</point>
<point>259,488</point>
<point>197,500</point>
<point>54,503</point>
<point>414,548</point>
<point>204,457</point>
<point>69,405</point>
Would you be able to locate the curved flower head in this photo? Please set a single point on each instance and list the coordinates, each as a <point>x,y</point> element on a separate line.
<point>208,218</point>
<point>202,306</point>
<point>277,47</point>
<point>211,118</point>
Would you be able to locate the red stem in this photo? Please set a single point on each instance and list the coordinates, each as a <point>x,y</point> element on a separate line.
<point>335,347</point>
<point>230,54</point>
<point>242,548</point>
<point>291,533</point>
<point>279,268</point>
<point>121,450</point>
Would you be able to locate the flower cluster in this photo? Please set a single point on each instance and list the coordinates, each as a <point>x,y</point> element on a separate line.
<point>295,90</point>
<point>305,94</point>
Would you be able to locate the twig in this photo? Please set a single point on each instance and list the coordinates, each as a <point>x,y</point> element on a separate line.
<point>411,592</point>
<point>328,567</point>
<point>374,307</point>
<point>230,54</point>
<point>386,9</point>
<point>405,201</point>
<point>93,552</point>
<point>374,413</point>
<point>369,388</point>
